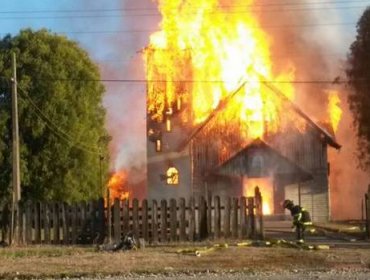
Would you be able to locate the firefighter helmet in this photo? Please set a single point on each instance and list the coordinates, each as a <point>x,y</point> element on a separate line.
<point>287,203</point>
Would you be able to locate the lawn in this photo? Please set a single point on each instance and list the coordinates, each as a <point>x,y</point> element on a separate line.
<point>59,261</point>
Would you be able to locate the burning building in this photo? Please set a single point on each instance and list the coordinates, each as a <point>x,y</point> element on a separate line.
<point>221,121</point>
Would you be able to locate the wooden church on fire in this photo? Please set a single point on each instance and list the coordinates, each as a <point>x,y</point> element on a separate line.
<point>219,157</point>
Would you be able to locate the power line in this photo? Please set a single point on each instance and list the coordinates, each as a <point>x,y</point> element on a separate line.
<point>286,26</point>
<point>140,81</point>
<point>294,4</point>
<point>157,14</point>
<point>263,27</point>
<point>59,132</point>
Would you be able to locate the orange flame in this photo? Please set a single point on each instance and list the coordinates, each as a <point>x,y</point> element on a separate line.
<point>203,54</point>
<point>117,186</point>
<point>266,189</point>
<point>334,109</point>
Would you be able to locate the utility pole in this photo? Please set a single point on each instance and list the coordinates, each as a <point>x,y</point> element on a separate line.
<point>16,192</point>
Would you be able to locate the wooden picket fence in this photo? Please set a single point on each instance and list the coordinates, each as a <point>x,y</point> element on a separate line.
<point>58,223</point>
<point>156,222</point>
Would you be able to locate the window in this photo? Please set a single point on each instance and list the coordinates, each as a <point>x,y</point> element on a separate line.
<point>168,124</point>
<point>158,145</point>
<point>172,175</point>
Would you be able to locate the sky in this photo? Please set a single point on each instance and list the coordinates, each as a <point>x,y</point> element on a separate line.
<point>101,27</point>
<point>115,31</point>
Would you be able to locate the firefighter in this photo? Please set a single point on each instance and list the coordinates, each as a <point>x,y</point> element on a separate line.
<point>301,219</point>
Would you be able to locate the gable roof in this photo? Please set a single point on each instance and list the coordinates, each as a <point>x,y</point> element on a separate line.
<point>258,159</point>
<point>329,138</point>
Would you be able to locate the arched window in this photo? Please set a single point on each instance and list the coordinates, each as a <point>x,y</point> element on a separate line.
<point>172,175</point>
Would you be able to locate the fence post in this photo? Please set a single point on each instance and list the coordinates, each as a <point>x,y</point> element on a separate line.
<point>259,213</point>
<point>366,215</point>
<point>251,223</point>
<point>182,220</point>
<point>217,217</point>
<point>202,214</point>
<point>144,221</point>
<point>91,218</point>
<point>85,229</point>
<point>227,217</point>
<point>234,218</point>
<point>191,219</point>
<point>367,198</point>
<point>135,218</point>
<point>5,222</point>
<point>65,223</point>
<point>56,223</point>
<point>36,210</point>
<point>209,215</point>
<point>173,220</point>
<point>163,220</point>
<point>101,221</point>
<point>73,219</point>
<point>242,218</point>
<point>24,225</point>
<point>21,223</point>
<point>28,222</point>
<point>155,222</point>
<point>116,220</point>
<point>46,218</point>
<point>125,217</point>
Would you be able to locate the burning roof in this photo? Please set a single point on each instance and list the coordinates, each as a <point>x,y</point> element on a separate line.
<point>202,55</point>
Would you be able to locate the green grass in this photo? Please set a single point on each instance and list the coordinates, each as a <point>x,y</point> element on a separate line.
<point>43,251</point>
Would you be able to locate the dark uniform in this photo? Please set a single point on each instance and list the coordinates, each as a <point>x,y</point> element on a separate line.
<point>301,218</point>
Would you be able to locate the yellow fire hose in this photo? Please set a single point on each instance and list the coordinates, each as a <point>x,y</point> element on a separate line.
<point>199,251</point>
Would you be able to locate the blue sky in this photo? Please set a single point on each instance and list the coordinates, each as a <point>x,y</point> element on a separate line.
<point>114,32</point>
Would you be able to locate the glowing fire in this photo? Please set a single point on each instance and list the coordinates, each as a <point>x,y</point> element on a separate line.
<point>266,189</point>
<point>117,185</point>
<point>334,109</point>
<point>204,53</point>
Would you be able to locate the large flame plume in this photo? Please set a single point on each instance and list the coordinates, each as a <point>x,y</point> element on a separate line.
<point>117,185</point>
<point>206,50</point>
<point>212,50</point>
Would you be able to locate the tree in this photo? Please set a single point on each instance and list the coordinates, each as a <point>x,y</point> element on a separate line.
<point>358,73</point>
<point>61,118</point>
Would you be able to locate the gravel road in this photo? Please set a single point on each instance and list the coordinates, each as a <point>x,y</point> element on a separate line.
<point>289,275</point>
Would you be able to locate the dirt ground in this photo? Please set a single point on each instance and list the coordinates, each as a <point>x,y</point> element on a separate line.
<point>56,262</point>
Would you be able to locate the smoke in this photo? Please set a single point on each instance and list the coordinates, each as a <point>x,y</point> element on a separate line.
<point>307,38</point>
<point>303,40</point>
<point>348,183</point>
<point>125,101</point>
<point>303,44</point>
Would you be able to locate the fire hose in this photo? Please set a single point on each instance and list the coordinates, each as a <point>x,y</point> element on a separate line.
<point>199,251</point>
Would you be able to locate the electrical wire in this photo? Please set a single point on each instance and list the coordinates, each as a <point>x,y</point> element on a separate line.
<point>334,81</point>
<point>294,4</point>
<point>157,14</point>
<point>287,26</point>
<point>56,130</point>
